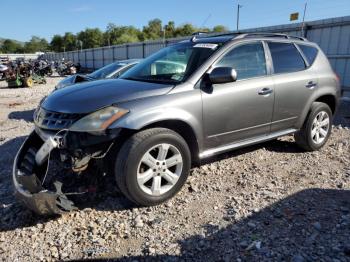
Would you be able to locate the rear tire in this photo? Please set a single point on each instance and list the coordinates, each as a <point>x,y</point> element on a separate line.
<point>316,129</point>
<point>152,166</point>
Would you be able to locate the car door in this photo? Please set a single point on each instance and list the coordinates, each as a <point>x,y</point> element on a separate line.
<point>294,84</point>
<point>242,109</point>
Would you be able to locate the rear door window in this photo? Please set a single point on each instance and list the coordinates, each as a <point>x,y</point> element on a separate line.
<point>309,52</point>
<point>286,58</point>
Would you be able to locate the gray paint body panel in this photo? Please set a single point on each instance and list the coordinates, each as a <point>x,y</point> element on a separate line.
<point>234,113</point>
<point>221,115</point>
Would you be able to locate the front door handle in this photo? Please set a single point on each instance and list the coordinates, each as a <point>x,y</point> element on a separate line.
<point>311,85</point>
<point>265,91</point>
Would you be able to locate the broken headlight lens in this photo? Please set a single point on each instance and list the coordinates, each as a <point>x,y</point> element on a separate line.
<point>99,120</point>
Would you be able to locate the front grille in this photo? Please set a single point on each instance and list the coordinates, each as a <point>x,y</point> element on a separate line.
<point>54,120</point>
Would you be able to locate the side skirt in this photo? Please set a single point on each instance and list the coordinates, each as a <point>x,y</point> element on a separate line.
<point>256,140</point>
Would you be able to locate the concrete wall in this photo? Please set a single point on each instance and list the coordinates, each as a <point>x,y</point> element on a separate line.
<point>333,36</point>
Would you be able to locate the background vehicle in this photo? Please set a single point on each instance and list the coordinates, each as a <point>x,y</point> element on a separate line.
<point>23,75</point>
<point>43,68</point>
<point>113,70</point>
<point>3,70</point>
<point>66,68</point>
<point>189,101</point>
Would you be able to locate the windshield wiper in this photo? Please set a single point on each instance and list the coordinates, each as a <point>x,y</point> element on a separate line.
<point>151,80</point>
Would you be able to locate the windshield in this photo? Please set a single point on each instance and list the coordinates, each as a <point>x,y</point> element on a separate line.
<point>173,64</point>
<point>105,71</point>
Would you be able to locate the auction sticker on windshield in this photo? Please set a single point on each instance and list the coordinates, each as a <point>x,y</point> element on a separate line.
<point>210,46</point>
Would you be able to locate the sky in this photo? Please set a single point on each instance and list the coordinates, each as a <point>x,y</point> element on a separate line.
<point>44,18</point>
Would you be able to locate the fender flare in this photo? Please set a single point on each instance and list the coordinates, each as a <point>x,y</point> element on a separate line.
<point>329,91</point>
<point>138,121</point>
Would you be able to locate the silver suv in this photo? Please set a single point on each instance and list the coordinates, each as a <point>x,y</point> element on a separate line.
<point>187,102</point>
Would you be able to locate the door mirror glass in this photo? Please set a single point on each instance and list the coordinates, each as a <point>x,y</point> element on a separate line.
<point>221,75</point>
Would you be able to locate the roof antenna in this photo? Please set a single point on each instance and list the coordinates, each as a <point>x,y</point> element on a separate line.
<point>206,20</point>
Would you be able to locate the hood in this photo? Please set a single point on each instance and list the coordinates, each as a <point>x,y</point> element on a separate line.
<point>91,96</point>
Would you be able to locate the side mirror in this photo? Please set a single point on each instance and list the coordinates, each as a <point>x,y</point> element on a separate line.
<point>221,75</point>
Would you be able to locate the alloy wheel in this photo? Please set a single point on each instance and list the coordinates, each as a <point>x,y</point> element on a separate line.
<point>320,127</point>
<point>159,169</point>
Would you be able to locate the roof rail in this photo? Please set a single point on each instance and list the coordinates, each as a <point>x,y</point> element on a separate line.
<point>199,33</point>
<point>297,37</point>
<point>247,35</point>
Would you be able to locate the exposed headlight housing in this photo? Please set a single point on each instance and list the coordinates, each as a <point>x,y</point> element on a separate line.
<point>99,120</point>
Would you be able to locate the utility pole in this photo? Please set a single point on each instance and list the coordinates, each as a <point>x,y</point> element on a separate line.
<point>238,7</point>
<point>303,23</point>
<point>164,31</point>
<point>79,44</point>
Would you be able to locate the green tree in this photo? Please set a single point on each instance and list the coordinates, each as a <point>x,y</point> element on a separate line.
<point>153,30</point>
<point>116,35</point>
<point>56,43</point>
<point>185,30</point>
<point>9,46</point>
<point>36,44</point>
<point>220,29</point>
<point>70,41</point>
<point>91,37</point>
<point>170,29</point>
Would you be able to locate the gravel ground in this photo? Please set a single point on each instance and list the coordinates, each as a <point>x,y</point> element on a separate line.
<point>270,202</point>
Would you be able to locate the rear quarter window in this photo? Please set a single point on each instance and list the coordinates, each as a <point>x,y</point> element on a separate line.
<point>309,52</point>
<point>286,58</point>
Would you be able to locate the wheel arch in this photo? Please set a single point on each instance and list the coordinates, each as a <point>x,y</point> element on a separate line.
<point>179,126</point>
<point>187,121</point>
<point>184,130</point>
<point>328,98</point>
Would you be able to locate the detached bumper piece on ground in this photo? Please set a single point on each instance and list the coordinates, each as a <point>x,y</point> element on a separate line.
<point>51,187</point>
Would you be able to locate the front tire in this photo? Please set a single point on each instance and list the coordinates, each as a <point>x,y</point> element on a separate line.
<point>316,129</point>
<point>152,166</point>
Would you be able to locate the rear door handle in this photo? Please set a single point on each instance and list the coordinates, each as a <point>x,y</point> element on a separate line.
<point>265,91</point>
<point>311,85</point>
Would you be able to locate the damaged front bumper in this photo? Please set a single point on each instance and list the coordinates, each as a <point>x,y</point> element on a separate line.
<point>28,187</point>
<point>44,194</point>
